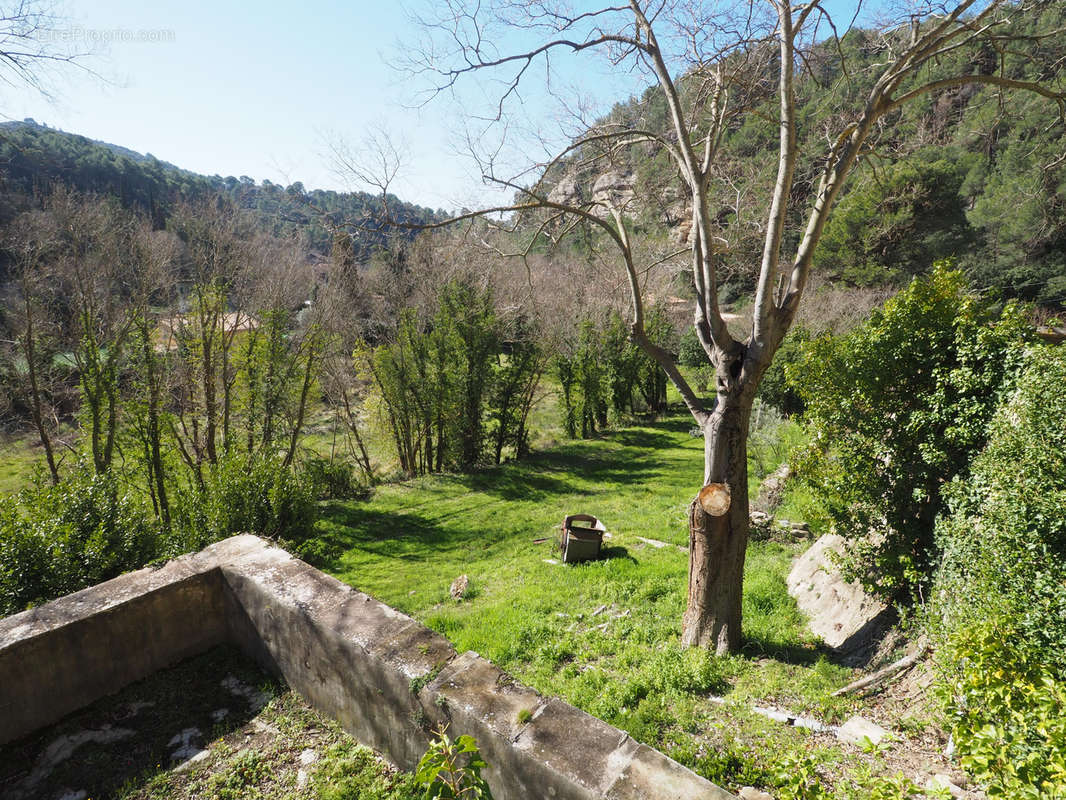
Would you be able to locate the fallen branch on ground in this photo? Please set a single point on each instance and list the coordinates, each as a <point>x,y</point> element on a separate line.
<point>882,675</point>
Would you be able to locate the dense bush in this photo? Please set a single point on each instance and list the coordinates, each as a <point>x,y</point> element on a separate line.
<point>690,352</point>
<point>603,374</point>
<point>89,528</point>
<point>242,494</point>
<point>899,406</point>
<point>999,605</point>
<point>1004,712</point>
<point>58,539</point>
<point>333,479</point>
<point>585,384</point>
<point>775,388</point>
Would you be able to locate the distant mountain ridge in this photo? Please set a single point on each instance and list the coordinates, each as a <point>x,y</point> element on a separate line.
<point>36,157</point>
<point>30,123</point>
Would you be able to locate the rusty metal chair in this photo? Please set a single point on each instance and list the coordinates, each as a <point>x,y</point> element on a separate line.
<point>581,543</point>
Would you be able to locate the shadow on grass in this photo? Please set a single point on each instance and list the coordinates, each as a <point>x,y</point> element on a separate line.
<point>616,552</point>
<point>575,468</point>
<point>570,469</point>
<point>756,646</point>
<point>642,437</point>
<point>388,534</point>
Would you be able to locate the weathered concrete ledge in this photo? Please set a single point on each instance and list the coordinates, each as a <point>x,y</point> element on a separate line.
<point>386,678</point>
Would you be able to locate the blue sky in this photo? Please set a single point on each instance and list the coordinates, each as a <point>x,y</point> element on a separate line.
<point>260,89</point>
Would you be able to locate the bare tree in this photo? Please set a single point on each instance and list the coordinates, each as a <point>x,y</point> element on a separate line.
<point>716,65</point>
<point>91,236</point>
<point>31,330</point>
<point>204,333</point>
<point>35,38</point>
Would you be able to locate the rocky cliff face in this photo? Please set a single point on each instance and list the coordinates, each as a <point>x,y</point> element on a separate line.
<point>621,190</point>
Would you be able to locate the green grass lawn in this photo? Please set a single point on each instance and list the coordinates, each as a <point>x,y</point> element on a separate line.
<point>603,635</point>
<point>20,457</point>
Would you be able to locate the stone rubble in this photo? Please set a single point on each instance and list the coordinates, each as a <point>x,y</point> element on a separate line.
<point>859,730</point>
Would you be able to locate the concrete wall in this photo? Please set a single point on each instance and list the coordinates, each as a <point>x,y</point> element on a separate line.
<point>62,656</point>
<point>385,677</point>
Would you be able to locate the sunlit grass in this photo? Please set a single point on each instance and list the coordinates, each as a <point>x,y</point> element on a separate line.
<point>603,635</point>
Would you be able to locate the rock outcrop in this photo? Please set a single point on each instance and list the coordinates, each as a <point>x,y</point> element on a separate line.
<point>841,613</point>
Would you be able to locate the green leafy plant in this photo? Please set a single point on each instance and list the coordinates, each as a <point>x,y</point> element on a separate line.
<point>690,352</point>
<point>775,388</point>
<point>451,770</point>
<point>1005,715</point>
<point>899,406</point>
<point>868,745</point>
<point>58,539</point>
<point>797,778</point>
<point>422,681</point>
<point>998,609</point>
<point>333,479</point>
<point>247,495</point>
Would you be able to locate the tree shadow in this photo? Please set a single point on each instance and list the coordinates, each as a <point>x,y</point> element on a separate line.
<point>533,481</point>
<point>676,423</point>
<point>580,467</point>
<point>858,652</point>
<point>397,535</point>
<point>644,438</point>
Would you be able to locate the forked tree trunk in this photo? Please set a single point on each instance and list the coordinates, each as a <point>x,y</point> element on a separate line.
<point>718,541</point>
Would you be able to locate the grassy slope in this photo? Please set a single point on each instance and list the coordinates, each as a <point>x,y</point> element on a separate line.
<point>536,619</point>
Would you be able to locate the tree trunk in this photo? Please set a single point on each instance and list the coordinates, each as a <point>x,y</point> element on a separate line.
<point>301,410</point>
<point>153,430</point>
<point>29,349</point>
<point>717,544</point>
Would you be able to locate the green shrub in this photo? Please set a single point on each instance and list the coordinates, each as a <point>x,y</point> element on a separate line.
<point>998,609</point>
<point>242,495</point>
<point>604,376</point>
<point>775,388</point>
<point>452,770</point>
<point>333,479</point>
<point>899,406</point>
<point>58,539</point>
<point>445,387</point>
<point>690,352</point>
<point>1005,713</point>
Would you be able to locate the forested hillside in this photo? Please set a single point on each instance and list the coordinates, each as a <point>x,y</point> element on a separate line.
<point>981,180</point>
<point>36,158</point>
<point>968,173</point>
